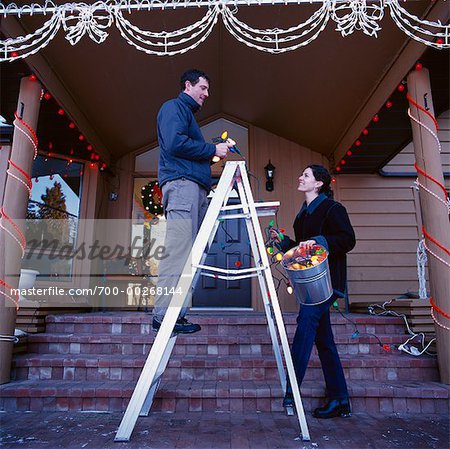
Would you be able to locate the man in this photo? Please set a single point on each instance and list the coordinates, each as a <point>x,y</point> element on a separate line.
<point>184,174</point>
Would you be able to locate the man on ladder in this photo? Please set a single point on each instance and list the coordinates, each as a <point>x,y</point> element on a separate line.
<point>184,173</point>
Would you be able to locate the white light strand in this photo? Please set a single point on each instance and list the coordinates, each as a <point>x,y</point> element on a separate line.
<point>162,43</point>
<point>361,17</point>
<point>275,40</point>
<point>21,181</point>
<point>435,255</point>
<point>437,322</point>
<point>421,262</point>
<point>11,234</point>
<point>435,137</point>
<point>80,19</point>
<point>26,134</point>
<point>446,203</point>
<point>414,27</point>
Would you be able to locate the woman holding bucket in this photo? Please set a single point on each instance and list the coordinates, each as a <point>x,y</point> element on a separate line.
<point>322,221</point>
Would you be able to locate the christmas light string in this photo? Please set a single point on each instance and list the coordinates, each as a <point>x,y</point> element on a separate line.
<point>437,322</point>
<point>27,184</point>
<point>440,311</point>
<point>14,300</point>
<point>80,19</point>
<point>381,310</point>
<point>30,135</point>
<point>18,236</point>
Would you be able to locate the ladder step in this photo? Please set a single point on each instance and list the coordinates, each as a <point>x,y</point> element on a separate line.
<point>229,278</point>
<point>262,209</point>
<point>239,271</point>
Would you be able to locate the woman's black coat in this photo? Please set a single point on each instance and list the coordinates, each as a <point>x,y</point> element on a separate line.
<point>326,221</point>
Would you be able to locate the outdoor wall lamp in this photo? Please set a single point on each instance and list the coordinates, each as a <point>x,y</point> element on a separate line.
<point>270,171</point>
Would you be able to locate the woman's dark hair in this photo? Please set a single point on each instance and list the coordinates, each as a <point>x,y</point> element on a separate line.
<point>193,76</point>
<point>322,174</point>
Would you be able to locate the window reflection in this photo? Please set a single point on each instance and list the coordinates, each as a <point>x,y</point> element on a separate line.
<point>52,217</point>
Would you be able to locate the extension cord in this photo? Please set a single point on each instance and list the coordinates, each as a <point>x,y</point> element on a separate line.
<point>411,350</point>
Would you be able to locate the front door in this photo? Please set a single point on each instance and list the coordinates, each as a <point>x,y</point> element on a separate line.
<point>230,249</point>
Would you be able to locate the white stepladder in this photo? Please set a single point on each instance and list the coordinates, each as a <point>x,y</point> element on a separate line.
<point>234,174</point>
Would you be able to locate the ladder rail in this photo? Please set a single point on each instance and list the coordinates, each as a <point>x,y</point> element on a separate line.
<point>278,315</point>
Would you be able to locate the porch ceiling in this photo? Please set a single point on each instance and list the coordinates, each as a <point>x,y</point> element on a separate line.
<point>313,96</point>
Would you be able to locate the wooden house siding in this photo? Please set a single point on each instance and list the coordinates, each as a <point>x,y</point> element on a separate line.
<point>385,212</point>
<point>289,159</point>
<point>404,161</point>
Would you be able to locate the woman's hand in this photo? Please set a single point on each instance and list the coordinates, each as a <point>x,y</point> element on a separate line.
<point>307,244</point>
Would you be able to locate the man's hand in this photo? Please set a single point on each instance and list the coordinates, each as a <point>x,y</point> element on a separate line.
<point>222,149</point>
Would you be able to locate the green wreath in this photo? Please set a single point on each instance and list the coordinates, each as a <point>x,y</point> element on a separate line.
<point>152,198</point>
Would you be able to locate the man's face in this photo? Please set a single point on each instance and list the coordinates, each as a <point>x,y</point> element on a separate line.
<point>199,92</point>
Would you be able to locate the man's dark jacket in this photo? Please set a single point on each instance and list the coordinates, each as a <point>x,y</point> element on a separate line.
<point>326,221</point>
<point>184,152</point>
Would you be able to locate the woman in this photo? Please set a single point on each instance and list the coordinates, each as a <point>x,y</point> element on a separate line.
<point>324,221</point>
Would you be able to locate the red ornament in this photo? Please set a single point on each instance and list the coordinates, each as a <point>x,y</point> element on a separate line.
<point>376,118</point>
<point>92,165</point>
<point>439,41</point>
<point>401,87</point>
<point>81,173</point>
<point>358,143</point>
<point>32,77</point>
<point>61,111</point>
<point>342,162</point>
<point>70,161</point>
<point>386,348</point>
<point>103,166</point>
<point>418,66</point>
<point>47,96</point>
<point>389,104</point>
<point>238,263</point>
<point>89,148</point>
<point>365,131</point>
<point>333,179</point>
<point>96,157</point>
<point>349,153</point>
<point>81,137</point>
<point>338,168</point>
<point>282,230</point>
<point>14,54</point>
<point>72,125</point>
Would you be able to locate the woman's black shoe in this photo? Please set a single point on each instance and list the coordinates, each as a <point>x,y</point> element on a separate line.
<point>334,408</point>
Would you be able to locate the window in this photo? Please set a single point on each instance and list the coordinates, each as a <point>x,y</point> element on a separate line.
<point>52,217</point>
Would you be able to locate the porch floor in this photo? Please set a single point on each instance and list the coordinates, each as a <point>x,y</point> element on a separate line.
<point>201,430</point>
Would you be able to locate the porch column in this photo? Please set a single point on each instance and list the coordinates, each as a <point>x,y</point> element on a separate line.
<point>15,201</point>
<point>434,213</point>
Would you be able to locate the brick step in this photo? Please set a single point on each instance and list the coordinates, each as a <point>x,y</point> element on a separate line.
<point>223,324</point>
<point>217,368</point>
<point>241,396</point>
<point>197,344</point>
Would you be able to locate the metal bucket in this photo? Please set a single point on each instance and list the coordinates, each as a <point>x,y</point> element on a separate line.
<point>311,285</point>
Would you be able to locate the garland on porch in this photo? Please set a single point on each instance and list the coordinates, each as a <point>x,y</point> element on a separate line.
<point>81,19</point>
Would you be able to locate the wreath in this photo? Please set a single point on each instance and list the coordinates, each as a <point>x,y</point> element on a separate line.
<point>152,198</point>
